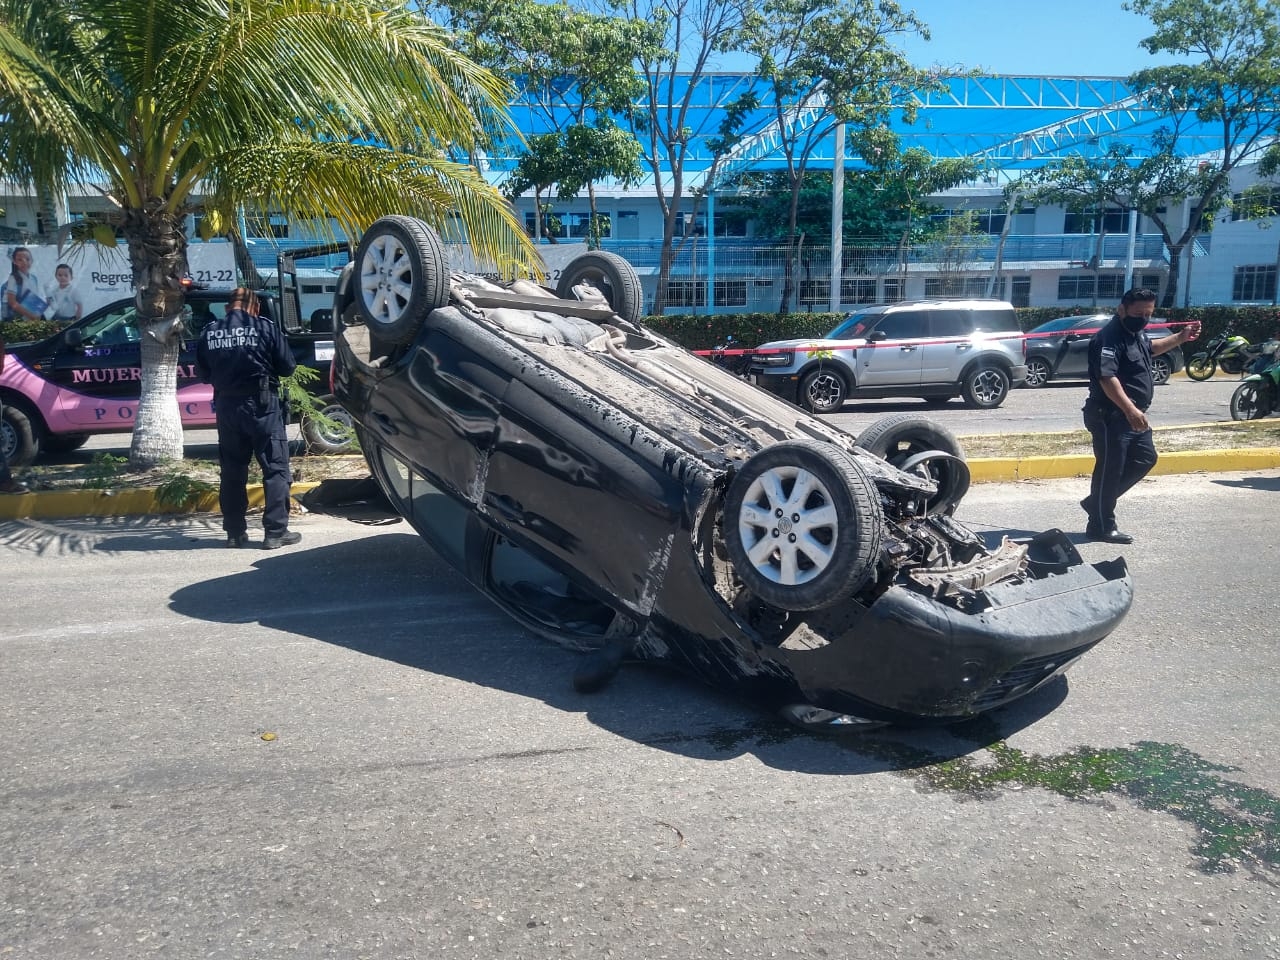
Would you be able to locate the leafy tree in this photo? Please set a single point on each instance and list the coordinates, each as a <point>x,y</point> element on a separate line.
<point>171,105</point>
<point>1151,185</point>
<point>830,62</point>
<point>1234,85</point>
<point>683,41</point>
<point>574,69</point>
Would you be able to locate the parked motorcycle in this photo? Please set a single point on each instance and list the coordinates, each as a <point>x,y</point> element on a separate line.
<point>732,357</point>
<point>1234,354</point>
<point>1258,396</point>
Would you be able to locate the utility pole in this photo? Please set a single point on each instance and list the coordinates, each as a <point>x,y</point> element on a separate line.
<point>837,218</point>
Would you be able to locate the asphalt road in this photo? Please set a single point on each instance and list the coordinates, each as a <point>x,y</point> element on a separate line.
<point>1050,409</point>
<point>341,751</point>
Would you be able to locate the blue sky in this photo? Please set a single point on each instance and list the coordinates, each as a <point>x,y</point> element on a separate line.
<point>1033,37</point>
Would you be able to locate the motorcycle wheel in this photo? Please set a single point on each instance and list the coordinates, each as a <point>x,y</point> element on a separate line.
<point>1201,367</point>
<point>1251,401</point>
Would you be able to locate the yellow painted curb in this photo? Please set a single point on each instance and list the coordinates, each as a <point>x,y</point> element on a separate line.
<point>60,504</point>
<point>991,469</point>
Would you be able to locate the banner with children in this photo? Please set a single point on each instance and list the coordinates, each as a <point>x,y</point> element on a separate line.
<point>44,283</point>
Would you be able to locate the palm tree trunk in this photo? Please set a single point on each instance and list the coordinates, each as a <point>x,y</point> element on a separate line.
<point>158,256</point>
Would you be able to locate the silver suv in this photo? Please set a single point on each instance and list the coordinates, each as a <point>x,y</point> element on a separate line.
<point>932,349</point>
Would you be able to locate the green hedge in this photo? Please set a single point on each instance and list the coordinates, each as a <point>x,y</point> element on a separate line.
<point>702,332</point>
<point>23,331</point>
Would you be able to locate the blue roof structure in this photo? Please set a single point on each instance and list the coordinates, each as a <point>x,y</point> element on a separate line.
<point>1013,122</point>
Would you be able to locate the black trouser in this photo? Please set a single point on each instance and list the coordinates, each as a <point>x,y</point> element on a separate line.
<point>248,429</point>
<point>5,475</point>
<point>1121,457</point>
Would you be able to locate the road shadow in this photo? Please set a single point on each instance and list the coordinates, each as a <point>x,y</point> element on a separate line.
<point>391,596</point>
<point>135,534</point>
<point>1252,483</point>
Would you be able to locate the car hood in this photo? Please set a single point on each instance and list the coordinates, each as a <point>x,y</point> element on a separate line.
<point>813,343</point>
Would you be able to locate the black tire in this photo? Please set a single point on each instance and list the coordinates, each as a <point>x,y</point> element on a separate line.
<point>1161,370</point>
<point>1201,367</point>
<point>19,437</point>
<point>985,387</point>
<point>808,553</point>
<point>903,437</point>
<point>63,442</point>
<point>1251,401</point>
<point>1038,372</point>
<point>401,275</point>
<point>324,438</point>
<point>611,275</point>
<point>823,390</point>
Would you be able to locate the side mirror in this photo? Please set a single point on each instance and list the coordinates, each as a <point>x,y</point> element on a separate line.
<point>74,338</point>
<point>876,336</point>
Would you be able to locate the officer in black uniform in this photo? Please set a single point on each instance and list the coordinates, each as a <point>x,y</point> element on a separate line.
<point>1120,390</point>
<point>244,356</point>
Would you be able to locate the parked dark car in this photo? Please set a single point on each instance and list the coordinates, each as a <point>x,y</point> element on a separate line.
<point>615,493</point>
<point>1059,350</point>
<point>85,380</point>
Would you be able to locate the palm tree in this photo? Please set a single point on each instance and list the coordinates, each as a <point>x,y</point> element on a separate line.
<point>324,110</point>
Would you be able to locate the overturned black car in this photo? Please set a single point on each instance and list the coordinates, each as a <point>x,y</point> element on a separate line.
<point>619,495</point>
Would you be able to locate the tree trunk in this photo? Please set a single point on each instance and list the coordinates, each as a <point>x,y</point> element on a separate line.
<point>1170,298</point>
<point>158,257</point>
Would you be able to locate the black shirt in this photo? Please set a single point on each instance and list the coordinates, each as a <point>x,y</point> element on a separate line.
<point>1115,352</point>
<point>238,352</point>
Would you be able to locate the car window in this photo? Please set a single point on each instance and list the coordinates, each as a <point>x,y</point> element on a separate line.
<point>950,323</point>
<point>1052,326</point>
<point>117,328</point>
<point>994,321</point>
<point>197,313</point>
<point>853,327</point>
<point>908,325</point>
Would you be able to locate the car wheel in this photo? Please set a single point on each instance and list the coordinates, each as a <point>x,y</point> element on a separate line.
<point>1201,367</point>
<point>802,525</point>
<point>402,275</point>
<point>823,391</point>
<point>611,275</point>
<point>63,442</point>
<point>907,441</point>
<point>1251,401</point>
<point>985,387</point>
<point>333,434</point>
<point>1038,372</point>
<point>1161,370</point>
<point>19,437</point>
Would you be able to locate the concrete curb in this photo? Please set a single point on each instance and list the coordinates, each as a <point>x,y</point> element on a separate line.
<point>61,504</point>
<point>133,501</point>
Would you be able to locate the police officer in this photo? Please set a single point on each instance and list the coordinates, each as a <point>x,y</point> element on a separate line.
<point>1120,390</point>
<point>244,356</point>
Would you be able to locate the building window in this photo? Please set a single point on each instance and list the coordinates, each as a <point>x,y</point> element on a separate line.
<point>984,220</point>
<point>1256,203</point>
<point>815,291</point>
<point>1021,292</point>
<point>936,287</point>
<point>858,290</point>
<point>731,293</point>
<point>1111,286</point>
<point>686,293</point>
<point>695,225</point>
<point>1254,283</point>
<point>1075,287</point>
<point>893,290</point>
<point>629,224</point>
<point>1111,220</point>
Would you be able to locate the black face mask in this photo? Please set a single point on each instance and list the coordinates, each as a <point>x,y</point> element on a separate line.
<point>1134,324</point>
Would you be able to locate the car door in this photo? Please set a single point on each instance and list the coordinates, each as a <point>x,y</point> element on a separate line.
<point>950,342</point>
<point>893,355</point>
<point>1074,357</point>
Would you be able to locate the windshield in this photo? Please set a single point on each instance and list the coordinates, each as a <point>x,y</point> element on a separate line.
<point>851,327</point>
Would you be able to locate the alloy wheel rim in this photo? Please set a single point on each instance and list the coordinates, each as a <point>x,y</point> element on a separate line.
<point>386,279</point>
<point>788,525</point>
